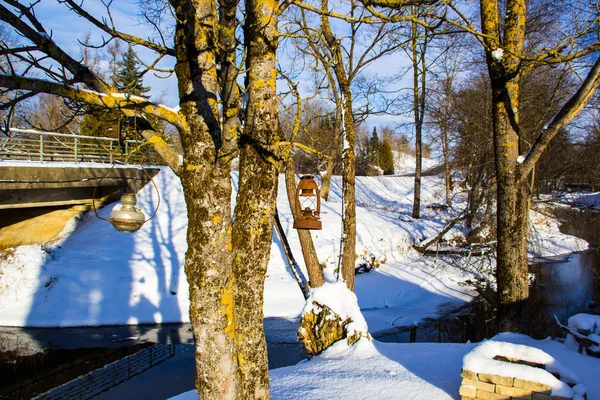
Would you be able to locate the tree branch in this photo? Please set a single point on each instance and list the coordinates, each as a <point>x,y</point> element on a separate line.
<point>118,101</point>
<point>566,114</point>
<point>46,45</point>
<point>121,35</point>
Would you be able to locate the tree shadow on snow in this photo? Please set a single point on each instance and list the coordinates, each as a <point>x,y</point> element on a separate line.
<point>99,276</point>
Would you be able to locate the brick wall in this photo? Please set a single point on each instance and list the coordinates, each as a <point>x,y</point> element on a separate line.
<point>493,387</point>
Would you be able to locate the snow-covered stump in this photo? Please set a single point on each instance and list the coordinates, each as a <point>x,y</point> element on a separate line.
<point>501,370</point>
<point>331,313</point>
<point>584,332</point>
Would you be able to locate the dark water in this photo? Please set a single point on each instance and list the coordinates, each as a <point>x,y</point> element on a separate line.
<point>114,362</point>
<point>567,285</point>
<point>563,286</point>
<point>157,362</point>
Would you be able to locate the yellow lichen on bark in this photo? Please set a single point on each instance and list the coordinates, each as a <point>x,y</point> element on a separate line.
<point>193,167</point>
<point>227,307</point>
<point>259,84</point>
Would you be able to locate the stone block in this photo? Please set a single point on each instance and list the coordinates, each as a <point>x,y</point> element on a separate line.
<point>489,387</point>
<point>500,380</point>
<point>468,374</point>
<point>482,394</point>
<point>513,392</point>
<point>532,386</point>
<point>468,391</point>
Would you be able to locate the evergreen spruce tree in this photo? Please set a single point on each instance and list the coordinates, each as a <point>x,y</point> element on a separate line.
<point>128,77</point>
<point>107,122</point>
<point>386,157</point>
<point>374,148</point>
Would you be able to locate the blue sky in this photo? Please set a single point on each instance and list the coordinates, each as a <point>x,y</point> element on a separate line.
<point>67,29</point>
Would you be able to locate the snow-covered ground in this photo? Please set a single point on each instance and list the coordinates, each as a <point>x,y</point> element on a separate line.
<point>95,275</point>
<point>404,163</point>
<point>584,200</point>
<point>401,370</point>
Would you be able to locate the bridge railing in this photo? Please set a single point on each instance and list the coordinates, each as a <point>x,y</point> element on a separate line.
<point>29,144</point>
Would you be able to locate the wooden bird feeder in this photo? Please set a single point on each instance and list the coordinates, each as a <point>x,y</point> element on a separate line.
<point>308,204</point>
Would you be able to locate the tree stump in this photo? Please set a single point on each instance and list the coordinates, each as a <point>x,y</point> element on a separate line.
<point>320,329</point>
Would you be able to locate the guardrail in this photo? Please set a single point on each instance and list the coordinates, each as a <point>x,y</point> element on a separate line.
<point>92,384</point>
<point>29,144</point>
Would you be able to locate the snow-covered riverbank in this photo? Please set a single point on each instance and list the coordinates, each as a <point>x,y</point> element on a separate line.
<point>96,276</point>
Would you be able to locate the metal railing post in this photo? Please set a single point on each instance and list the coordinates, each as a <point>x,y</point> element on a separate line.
<point>41,148</point>
<point>76,149</point>
<point>111,151</point>
<point>126,152</point>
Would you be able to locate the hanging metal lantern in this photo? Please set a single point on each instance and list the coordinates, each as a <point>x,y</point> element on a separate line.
<point>308,204</point>
<point>128,218</point>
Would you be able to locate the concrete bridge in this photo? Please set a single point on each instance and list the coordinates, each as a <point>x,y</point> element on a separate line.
<point>47,178</point>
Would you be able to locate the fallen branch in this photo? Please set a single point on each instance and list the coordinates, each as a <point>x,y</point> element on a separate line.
<point>439,236</point>
<point>583,340</point>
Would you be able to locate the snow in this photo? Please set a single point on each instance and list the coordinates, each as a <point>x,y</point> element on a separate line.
<point>498,54</point>
<point>585,200</point>
<point>585,322</point>
<point>481,360</point>
<point>342,302</point>
<point>175,109</point>
<point>375,370</point>
<point>129,97</point>
<point>97,276</point>
<point>586,325</point>
<point>545,239</point>
<point>404,163</point>
<point>94,275</point>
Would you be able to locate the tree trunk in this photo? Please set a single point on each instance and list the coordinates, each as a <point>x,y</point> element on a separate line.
<point>259,168</point>
<point>326,185</point>
<point>326,182</point>
<point>207,188</point>
<point>315,272</point>
<point>348,189</point>
<point>419,70</point>
<point>447,170</point>
<point>512,213</point>
<point>348,155</point>
<point>502,45</point>
<point>416,211</point>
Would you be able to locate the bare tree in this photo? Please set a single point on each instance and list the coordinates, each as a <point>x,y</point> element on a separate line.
<point>515,44</point>
<point>440,107</point>
<point>342,58</point>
